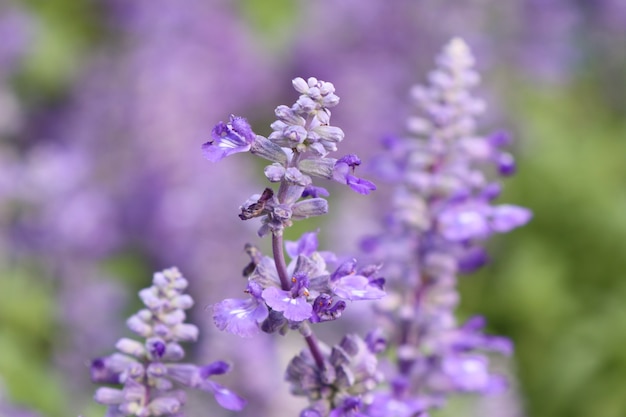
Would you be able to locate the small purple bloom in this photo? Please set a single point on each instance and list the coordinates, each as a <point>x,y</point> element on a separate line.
<point>351,160</point>
<point>342,174</point>
<point>506,164</point>
<point>500,139</point>
<point>325,310</point>
<point>156,347</point>
<point>240,316</point>
<point>349,408</point>
<point>225,397</point>
<point>315,192</point>
<point>459,223</point>
<point>347,284</point>
<point>229,138</point>
<point>506,217</point>
<point>472,260</point>
<point>215,368</point>
<point>468,373</point>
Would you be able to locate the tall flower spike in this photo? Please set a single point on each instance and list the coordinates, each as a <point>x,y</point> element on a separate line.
<point>441,214</point>
<point>147,370</point>
<point>283,296</point>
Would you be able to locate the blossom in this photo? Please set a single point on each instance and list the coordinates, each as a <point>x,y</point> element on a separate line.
<point>241,316</point>
<point>293,304</point>
<point>342,174</point>
<point>229,138</point>
<point>346,283</point>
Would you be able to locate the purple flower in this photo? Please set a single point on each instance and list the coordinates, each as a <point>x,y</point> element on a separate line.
<point>229,138</point>
<point>349,407</point>
<point>241,316</point>
<point>146,369</point>
<point>325,310</point>
<point>464,222</point>
<point>314,192</point>
<point>198,377</point>
<point>293,303</point>
<point>306,245</point>
<point>441,213</point>
<point>470,373</point>
<point>347,284</point>
<point>506,217</point>
<point>342,174</point>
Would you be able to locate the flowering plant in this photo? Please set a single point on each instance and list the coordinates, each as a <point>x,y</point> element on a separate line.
<point>441,214</point>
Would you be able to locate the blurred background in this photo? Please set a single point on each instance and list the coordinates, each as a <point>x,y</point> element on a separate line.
<point>104,105</point>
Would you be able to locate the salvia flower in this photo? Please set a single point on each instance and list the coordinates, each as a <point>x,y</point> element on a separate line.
<point>442,213</point>
<point>289,296</point>
<point>149,371</point>
<point>229,138</point>
<point>315,293</point>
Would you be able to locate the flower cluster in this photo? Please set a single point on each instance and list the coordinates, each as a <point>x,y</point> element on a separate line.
<point>442,213</point>
<point>148,371</point>
<point>350,370</point>
<point>298,147</point>
<point>314,294</point>
<point>291,296</point>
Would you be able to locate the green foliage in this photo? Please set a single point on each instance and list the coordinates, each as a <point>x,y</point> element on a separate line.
<point>558,285</point>
<point>27,331</point>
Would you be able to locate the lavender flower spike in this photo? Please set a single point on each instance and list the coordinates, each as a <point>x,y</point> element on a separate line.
<point>442,213</point>
<point>291,296</point>
<point>148,371</point>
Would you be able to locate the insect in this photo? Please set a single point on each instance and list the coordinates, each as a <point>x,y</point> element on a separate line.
<point>256,209</point>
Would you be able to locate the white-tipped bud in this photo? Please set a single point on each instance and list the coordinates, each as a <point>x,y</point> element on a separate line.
<point>172,318</point>
<point>164,406</point>
<point>109,396</point>
<point>185,332</point>
<point>309,208</point>
<point>269,150</point>
<point>156,369</point>
<point>131,347</point>
<point>173,352</point>
<point>183,301</point>
<point>137,325</point>
<point>300,85</point>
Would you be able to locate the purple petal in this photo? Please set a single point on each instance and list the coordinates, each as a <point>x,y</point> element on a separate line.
<point>360,185</point>
<point>463,224</point>
<point>227,139</point>
<point>499,139</point>
<point>506,164</point>
<point>294,309</point>
<point>240,317</point>
<point>243,128</point>
<point>351,160</point>
<point>468,373</point>
<point>506,217</point>
<point>306,245</point>
<point>315,192</point>
<point>341,171</point>
<point>225,397</point>
<point>473,260</point>
<point>356,287</point>
<point>215,368</point>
